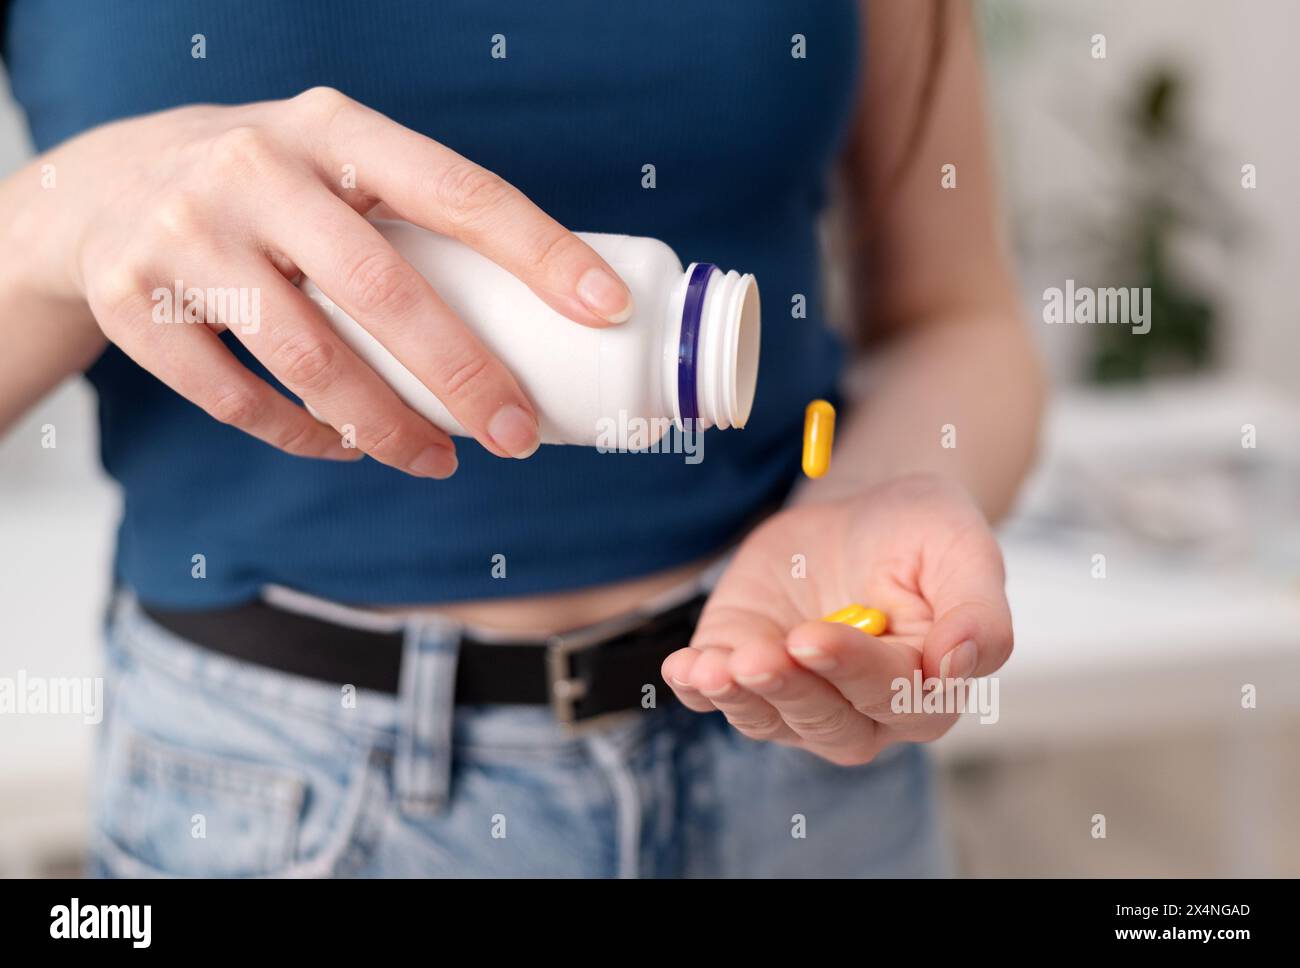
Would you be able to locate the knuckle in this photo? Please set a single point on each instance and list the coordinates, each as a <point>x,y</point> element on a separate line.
<point>122,289</point>
<point>235,406</point>
<point>297,437</point>
<point>306,362</point>
<point>466,192</point>
<point>696,704</point>
<point>378,282</point>
<point>550,248</point>
<point>392,445</point>
<point>178,215</point>
<point>872,708</point>
<point>757,727</point>
<point>322,99</point>
<point>241,149</point>
<point>821,725</point>
<point>462,378</point>
<point>320,107</point>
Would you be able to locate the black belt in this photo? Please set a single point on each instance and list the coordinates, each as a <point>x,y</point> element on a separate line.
<point>582,674</point>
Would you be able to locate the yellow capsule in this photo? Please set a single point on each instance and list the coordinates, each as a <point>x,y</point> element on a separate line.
<point>818,436</point>
<point>870,620</point>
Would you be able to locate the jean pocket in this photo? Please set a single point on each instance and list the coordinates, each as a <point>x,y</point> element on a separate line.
<point>211,768</point>
<point>173,811</point>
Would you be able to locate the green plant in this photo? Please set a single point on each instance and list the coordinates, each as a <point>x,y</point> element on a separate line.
<point>1165,196</point>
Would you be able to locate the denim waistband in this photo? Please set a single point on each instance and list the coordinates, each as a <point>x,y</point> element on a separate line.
<point>423,717</point>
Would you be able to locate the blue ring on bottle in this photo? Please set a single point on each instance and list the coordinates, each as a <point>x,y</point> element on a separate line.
<point>688,344</point>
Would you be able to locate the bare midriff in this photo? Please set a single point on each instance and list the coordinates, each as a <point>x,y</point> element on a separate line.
<point>558,612</point>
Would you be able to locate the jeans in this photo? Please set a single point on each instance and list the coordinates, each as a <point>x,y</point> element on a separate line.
<point>215,768</point>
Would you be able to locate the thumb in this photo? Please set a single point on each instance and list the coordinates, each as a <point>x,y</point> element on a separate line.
<point>971,635</point>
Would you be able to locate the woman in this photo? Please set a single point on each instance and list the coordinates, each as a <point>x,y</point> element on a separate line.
<point>343,660</point>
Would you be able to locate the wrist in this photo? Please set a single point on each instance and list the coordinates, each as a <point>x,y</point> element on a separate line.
<point>38,241</point>
<point>911,482</point>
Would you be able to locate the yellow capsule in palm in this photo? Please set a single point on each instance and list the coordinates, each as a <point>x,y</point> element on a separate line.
<point>870,620</point>
<point>818,436</point>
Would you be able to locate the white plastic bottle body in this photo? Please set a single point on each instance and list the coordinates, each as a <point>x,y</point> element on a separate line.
<point>585,383</point>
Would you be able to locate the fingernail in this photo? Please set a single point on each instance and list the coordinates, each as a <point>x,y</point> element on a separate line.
<point>813,658</point>
<point>960,662</point>
<point>514,431</point>
<point>605,295</point>
<point>764,680</point>
<point>436,462</point>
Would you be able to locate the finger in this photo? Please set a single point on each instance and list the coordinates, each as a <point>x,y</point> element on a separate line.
<point>360,270</point>
<point>676,671</point>
<point>812,708</point>
<point>192,361</point>
<point>863,668</point>
<point>971,635</point>
<point>429,184</point>
<point>720,627</point>
<point>747,712</point>
<point>870,673</point>
<point>300,350</point>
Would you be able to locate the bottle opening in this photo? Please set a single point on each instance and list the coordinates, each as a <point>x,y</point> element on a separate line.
<point>745,353</point>
<point>718,349</point>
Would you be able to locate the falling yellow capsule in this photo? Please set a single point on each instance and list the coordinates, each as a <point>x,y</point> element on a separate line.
<point>870,620</point>
<point>818,436</point>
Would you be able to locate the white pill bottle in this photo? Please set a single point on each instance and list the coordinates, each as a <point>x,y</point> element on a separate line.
<point>687,358</point>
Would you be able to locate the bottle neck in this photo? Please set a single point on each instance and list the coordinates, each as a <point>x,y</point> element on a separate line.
<point>713,359</point>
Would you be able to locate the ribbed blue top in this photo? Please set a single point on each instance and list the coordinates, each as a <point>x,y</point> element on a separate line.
<point>742,136</point>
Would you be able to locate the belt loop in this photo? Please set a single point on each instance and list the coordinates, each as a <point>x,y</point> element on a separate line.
<point>426,710</point>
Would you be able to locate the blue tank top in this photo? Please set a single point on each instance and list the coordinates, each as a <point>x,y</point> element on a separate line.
<point>742,135</point>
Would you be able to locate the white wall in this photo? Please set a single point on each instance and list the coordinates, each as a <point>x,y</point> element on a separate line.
<point>1055,102</point>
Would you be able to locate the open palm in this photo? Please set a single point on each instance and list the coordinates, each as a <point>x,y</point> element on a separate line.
<point>916,548</point>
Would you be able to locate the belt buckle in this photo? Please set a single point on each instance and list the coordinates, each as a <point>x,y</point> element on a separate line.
<point>564,689</point>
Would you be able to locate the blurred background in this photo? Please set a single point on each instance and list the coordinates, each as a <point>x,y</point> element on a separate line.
<point>1154,561</point>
